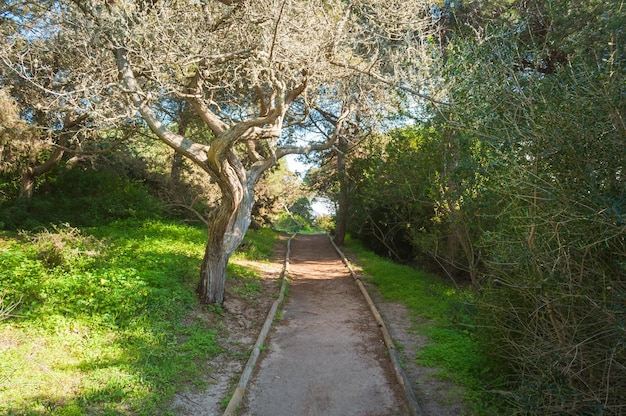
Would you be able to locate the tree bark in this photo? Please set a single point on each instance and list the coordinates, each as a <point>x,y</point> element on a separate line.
<point>226,230</point>
<point>27,182</point>
<point>177,159</point>
<point>177,167</point>
<point>228,225</point>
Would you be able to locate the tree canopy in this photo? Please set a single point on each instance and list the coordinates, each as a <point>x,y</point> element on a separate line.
<point>483,140</point>
<point>247,69</point>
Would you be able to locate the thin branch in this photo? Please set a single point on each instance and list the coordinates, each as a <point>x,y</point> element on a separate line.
<point>194,151</point>
<point>194,211</point>
<point>286,150</point>
<point>280,15</point>
<point>384,80</point>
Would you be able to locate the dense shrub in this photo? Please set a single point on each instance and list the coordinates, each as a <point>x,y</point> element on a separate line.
<point>547,107</point>
<point>80,197</point>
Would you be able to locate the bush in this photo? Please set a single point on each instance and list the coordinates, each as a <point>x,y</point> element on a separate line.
<point>555,260</point>
<point>63,246</point>
<point>81,198</point>
<point>326,223</point>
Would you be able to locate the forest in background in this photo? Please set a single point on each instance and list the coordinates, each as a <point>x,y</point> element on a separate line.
<point>518,190</point>
<point>508,178</point>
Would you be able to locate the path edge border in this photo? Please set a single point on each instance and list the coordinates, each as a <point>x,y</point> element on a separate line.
<point>401,376</point>
<point>237,397</point>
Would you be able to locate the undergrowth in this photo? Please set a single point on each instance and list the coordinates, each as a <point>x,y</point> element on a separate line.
<point>103,321</point>
<point>80,197</point>
<point>446,318</point>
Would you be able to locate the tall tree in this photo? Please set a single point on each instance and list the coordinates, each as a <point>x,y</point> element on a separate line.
<point>248,69</point>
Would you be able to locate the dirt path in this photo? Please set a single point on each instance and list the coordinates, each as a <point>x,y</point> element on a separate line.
<point>325,356</point>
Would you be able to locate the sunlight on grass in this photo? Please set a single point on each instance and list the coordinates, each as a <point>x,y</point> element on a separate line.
<point>109,333</point>
<point>445,318</point>
<point>103,335</point>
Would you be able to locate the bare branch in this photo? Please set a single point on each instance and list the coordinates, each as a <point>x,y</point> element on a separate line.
<point>393,84</point>
<point>286,150</point>
<point>193,151</point>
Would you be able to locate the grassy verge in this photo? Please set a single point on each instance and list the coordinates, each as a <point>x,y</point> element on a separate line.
<point>295,224</point>
<point>105,323</point>
<point>454,347</point>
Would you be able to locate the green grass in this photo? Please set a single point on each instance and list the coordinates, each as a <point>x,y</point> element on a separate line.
<point>107,323</point>
<point>257,245</point>
<point>447,319</point>
<point>295,224</point>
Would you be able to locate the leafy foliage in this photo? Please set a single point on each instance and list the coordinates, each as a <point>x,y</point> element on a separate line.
<point>80,198</point>
<point>525,192</point>
<point>412,191</point>
<point>110,313</point>
<point>555,259</point>
<point>390,188</point>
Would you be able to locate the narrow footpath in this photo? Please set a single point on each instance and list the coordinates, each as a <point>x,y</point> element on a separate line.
<point>325,356</point>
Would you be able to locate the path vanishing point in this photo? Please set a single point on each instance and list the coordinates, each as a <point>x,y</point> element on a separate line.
<point>325,355</point>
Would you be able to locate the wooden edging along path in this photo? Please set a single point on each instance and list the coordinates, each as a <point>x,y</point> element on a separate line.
<point>236,399</point>
<point>401,376</point>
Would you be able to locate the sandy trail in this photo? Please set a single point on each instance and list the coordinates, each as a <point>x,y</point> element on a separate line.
<point>325,356</point>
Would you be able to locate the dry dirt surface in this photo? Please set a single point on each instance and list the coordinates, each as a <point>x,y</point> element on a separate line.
<point>238,323</point>
<point>324,356</point>
<point>436,396</point>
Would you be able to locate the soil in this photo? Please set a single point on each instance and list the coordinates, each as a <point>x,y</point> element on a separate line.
<point>325,356</point>
<point>436,396</point>
<point>239,323</point>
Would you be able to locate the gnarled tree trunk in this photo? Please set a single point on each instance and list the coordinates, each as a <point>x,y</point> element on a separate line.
<point>227,227</point>
<point>225,232</point>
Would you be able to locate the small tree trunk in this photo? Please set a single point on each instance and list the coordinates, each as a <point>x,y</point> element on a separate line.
<point>177,167</point>
<point>27,184</point>
<point>177,160</point>
<point>212,281</point>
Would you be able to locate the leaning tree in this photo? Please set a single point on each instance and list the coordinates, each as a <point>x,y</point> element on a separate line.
<point>249,70</point>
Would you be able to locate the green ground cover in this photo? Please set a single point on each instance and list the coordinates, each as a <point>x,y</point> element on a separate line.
<point>446,317</point>
<point>104,319</point>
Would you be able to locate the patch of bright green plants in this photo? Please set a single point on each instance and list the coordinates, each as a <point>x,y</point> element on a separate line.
<point>454,346</point>
<point>106,317</point>
<point>295,224</point>
<point>104,323</point>
<point>257,245</point>
<point>249,281</point>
